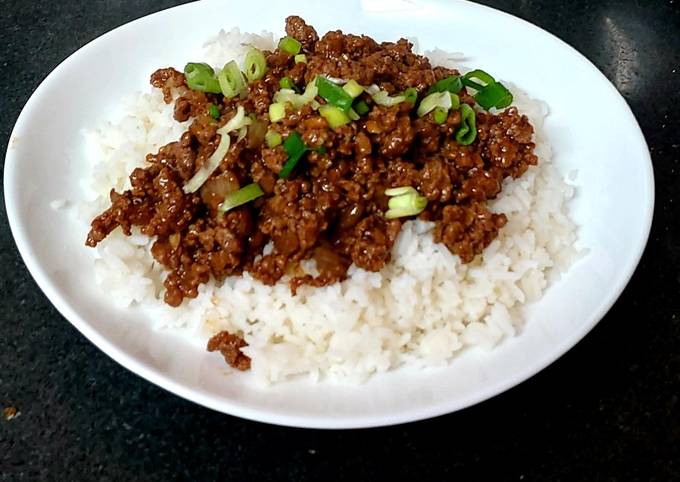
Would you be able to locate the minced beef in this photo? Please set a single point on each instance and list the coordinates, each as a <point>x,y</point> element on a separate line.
<point>331,209</point>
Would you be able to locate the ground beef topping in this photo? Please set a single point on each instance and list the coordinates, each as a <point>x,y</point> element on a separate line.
<point>331,208</point>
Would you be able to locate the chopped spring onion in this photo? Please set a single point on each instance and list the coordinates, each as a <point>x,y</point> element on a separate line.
<point>334,94</point>
<point>284,96</point>
<point>287,83</point>
<point>295,149</point>
<point>300,59</point>
<point>277,111</point>
<point>255,64</point>
<point>467,132</point>
<point>452,84</point>
<point>383,98</point>
<point>237,122</point>
<point>405,201</point>
<point>471,79</point>
<point>494,95</point>
<point>361,107</point>
<point>214,111</point>
<point>411,95</point>
<point>434,100</point>
<point>399,191</point>
<point>455,101</point>
<point>334,115</point>
<point>440,114</point>
<point>289,45</point>
<point>272,139</point>
<point>242,196</point>
<point>201,77</point>
<point>231,80</point>
<point>353,115</point>
<point>353,88</point>
<point>489,93</point>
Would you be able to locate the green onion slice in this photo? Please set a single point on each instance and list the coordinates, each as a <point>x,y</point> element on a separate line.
<point>334,94</point>
<point>255,64</point>
<point>289,45</point>
<point>231,80</point>
<point>277,111</point>
<point>300,59</point>
<point>295,149</point>
<point>353,88</point>
<point>452,84</point>
<point>404,201</point>
<point>334,115</point>
<point>434,100</point>
<point>400,191</point>
<point>214,111</point>
<point>272,139</point>
<point>494,95</point>
<point>287,83</point>
<point>455,102</point>
<point>467,132</point>
<point>201,77</point>
<point>381,97</point>
<point>440,114</point>
<point>289,96</point>
<point>242,196</point>
<point>411,95</point>
<point>237,122</point>
<point>473,79</point>
<point>361,107</point>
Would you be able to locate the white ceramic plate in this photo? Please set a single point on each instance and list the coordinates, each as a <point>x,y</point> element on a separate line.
<point>591,129</point>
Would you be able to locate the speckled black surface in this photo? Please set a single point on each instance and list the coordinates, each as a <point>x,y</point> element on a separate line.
<point>607,410</point>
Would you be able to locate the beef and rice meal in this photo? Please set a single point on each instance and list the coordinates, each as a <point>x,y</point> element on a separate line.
<point>329,177</point>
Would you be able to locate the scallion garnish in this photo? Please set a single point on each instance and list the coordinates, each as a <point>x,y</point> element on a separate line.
<point>452,84</point>
<point>404,201</point>
<point>411,95</point>
<point>361,107</point>
<point>334,115</point>
<point>383,98</point>
<point>289,96</point>
<point>295,149</point>
<point>300,59</point>
<point>471,79</point>
<point>277,111</point>
<point>353,88</point>
<point>287,83</point>
<point>494,95</point>
<point>242,196</point>
<point>214,111</point>
<point>490,93</point>
<point>455,101</point>
<point>334,94</point>
<point>255,64</point>
<point>201,77</point>
<point>467,132</point>
<point>289,45</point>
<point>439,115</point>
<point>434,100</point>
<point>231,80</point>
<point>272,139</point>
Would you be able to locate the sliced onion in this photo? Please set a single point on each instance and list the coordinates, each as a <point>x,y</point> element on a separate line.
<point>237,122</point>
<point>298,100</point>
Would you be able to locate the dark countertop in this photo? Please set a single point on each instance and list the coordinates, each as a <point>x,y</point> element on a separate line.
<point>607,410</point>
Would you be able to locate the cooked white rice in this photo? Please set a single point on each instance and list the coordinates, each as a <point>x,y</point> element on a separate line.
<point>350,330</point>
